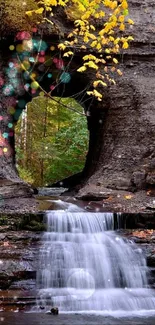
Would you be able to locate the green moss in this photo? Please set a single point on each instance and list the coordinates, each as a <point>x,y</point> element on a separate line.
<point>13,17</point>
<point>32,221</point>
<point>3,220</point>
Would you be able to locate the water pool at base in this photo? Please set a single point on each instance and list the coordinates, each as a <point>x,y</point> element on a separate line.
<point>65,319</point>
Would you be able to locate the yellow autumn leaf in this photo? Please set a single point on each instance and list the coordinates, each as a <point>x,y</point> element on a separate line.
<point>130,21</point>
<point>122,27</point>
<point>93,44</point>
<point>29,13</point>
<point>125,45</point>
<point>92,36</point>
<point>117,40</point>
<point>89,93</point>
<point>83,47</point>
<point>121,19</point>
<point>67,54</point>
<point>61,3</point>
<point>119,72</point>
<point>130,38</point>
<point>79,22</point>
<point>124,4</point>
<point>128,197</point>
<point>70,35</point>
<point>114,5</point>
<point>112,81</point>
<point>89,57</point>
<point>39,11</point>
<point>61,46</point>
<point>53,2</point>
<point>92,65</point>
<point>85,16</point>
<point>97,82</point>
<point>86,39</point>
<point>97,94</point>
<point>92,27</point>
<point>98,46</point>
<point>101,14</point>
<point>115,60</point>
<point>82,69</point>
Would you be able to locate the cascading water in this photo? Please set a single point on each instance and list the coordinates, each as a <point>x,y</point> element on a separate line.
<point>86,266</point>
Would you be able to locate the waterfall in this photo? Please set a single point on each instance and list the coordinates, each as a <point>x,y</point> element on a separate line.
<point>86,266</point>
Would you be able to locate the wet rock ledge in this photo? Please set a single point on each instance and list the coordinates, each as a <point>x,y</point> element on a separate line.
<point>20,240</point>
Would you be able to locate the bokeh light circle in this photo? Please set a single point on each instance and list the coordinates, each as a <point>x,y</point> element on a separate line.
<point>65,77</point>
<point>86,287</point>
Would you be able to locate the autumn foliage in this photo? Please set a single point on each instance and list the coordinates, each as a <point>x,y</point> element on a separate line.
<point>99,27</point>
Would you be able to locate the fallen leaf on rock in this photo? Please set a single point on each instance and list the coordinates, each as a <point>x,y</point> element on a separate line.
<point>109,198</point>
<point>128,197</point>
<point>143,233</point>
<point>6,243</point>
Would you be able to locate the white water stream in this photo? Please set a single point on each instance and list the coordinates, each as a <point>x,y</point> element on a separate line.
<point>85,266</point>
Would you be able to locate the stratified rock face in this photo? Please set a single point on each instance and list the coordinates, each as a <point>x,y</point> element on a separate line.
<point>19,253</point>
<point>125,159</point>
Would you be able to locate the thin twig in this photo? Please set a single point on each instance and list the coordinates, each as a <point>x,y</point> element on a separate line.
<point>48,94</point>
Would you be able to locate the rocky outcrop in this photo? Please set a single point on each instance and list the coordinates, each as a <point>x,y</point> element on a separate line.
<point>121,152</point>
<point>18,259</point>
<point>20,240</point>
<point>122,142</point>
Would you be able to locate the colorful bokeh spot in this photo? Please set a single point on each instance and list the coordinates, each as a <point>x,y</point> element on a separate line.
<point>23,36</point>
<point>11,47</point>
<point>26,75</point>
<point>52,87</point>
<point>27,86</point>
<point>41,59</point>
<point>8,90</point>
<point>10,125</point>
<point>19,48</point>
<point>12,110</point>
<point>30,64</point>
<point>32,59</point>
<point>5,135</point>
<point>33,91</point>
<point>5,150</point>
<point>65,77</point>
<point>11,64</point>
<point>41,94</point>
<point>34,85</point>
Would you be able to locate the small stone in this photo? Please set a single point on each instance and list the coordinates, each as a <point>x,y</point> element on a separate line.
<point>150,179</point>
<point>54,311</point>
<point>139,179</point>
